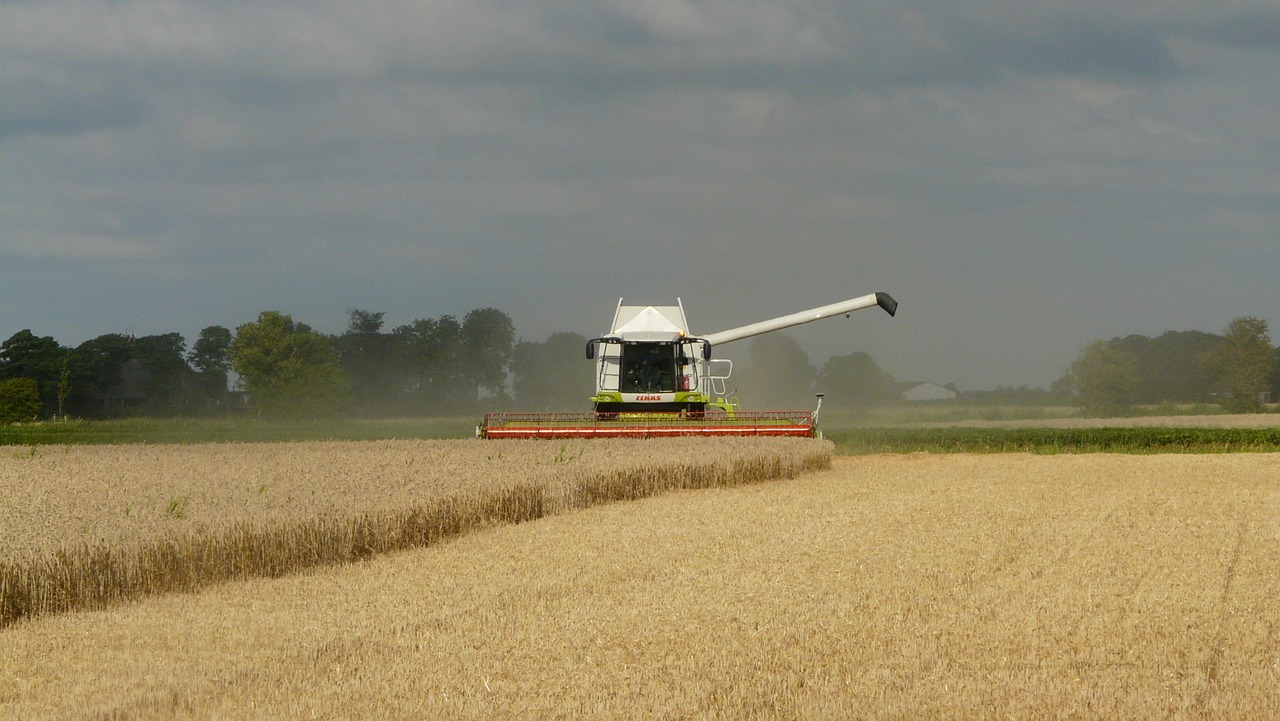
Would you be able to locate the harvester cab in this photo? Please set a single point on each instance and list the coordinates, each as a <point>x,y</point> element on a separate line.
<point>654,377</point>
<point>649,362</point>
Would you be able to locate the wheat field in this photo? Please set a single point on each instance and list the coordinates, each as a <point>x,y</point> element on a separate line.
<point>86,526</point>
<point>1018,586</point>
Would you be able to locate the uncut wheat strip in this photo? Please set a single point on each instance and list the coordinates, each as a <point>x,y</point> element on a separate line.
<point>118,494</point>
<point>124,493</point>
<point>102,574</point>
<point>98,575</point>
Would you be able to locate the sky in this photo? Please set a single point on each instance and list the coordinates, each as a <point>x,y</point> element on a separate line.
<point>1023,177</point>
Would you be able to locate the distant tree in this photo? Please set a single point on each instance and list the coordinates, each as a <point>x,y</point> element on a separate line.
<point>777,373</point>
<point>1104,378</point>
<point>854,379</point>
<point>1242,363</point>
<point>1273,380</point>
<point>19,400</point>
<point>364,322</point>
<point>552,375</point>
<point>1063,388</point>
<point>1168,365</point>
<point>96,366</point>
<point>488,338</point>
<point>286,367</point>
<point>64,384</point>
<point>211,359</point>
<point>168,377</point>
<point>26,355</point>
<point>370,360</point>
<point>429,365</point>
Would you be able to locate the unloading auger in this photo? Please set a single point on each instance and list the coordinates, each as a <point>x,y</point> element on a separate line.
<point>655,378</point>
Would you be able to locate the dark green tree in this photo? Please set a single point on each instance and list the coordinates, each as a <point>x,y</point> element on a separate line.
<point>167,379</point>
<point>211,359</point>
<point>488,338</point>
<point>1242,363</point>
<point>26,355</point>
<point>19,400</point>
<point>287,368</point>
<point>370,360</point>
<point>429,365</point>
<point>552,375</point>
<point>96,369</point>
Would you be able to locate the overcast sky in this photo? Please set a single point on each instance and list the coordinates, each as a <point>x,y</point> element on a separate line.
<point>1023,177</point>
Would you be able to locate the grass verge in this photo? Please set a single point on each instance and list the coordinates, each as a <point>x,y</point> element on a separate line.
<point>235,429</point>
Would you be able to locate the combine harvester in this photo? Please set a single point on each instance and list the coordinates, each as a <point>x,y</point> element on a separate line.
<point>654,378</point>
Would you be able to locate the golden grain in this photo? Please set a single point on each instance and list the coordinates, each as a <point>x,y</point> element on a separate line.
<point>958,587</point>
<point>92,525</point>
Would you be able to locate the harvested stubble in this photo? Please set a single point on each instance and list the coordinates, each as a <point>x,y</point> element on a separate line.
<point>889,587</point>
<point>91,525</point>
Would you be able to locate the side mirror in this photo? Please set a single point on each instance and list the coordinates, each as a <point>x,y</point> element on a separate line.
<point>706,350</point>
<point>591,350</point>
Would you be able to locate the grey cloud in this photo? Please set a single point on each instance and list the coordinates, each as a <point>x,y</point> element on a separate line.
<point>866,46</point>
<point>65,100</point>
<point>1247,28</point>
<point>1000,167</point>
<point>254,56</point>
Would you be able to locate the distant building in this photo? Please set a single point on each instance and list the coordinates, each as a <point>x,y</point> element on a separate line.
<point>927,392</point>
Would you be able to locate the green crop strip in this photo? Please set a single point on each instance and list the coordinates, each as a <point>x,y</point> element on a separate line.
<point>1055,440</point>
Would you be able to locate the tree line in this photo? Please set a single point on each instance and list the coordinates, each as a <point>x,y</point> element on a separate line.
<point>283,367</point>
<point>1239,370</point>
<point>446,365</point>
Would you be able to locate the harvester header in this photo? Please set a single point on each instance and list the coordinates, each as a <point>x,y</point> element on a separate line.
<point>654,377</point>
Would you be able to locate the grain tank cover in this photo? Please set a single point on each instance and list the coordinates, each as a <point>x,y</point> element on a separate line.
<point>650,323</point>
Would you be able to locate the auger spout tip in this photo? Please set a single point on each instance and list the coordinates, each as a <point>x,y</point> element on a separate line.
<point>886,301</point>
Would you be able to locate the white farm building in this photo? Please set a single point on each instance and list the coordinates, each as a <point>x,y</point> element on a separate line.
<point>927,392</point>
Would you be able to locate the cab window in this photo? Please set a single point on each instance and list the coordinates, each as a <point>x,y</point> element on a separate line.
<point>648,368</point>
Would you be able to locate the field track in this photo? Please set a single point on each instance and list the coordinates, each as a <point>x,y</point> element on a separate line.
<point>921,586</point>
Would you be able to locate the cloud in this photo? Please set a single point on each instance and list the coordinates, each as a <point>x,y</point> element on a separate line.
<point>998,167</point>
<point>83,248</point>
<point>1241,26</point>
<point>65,100</point>
<point>73,66</point>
